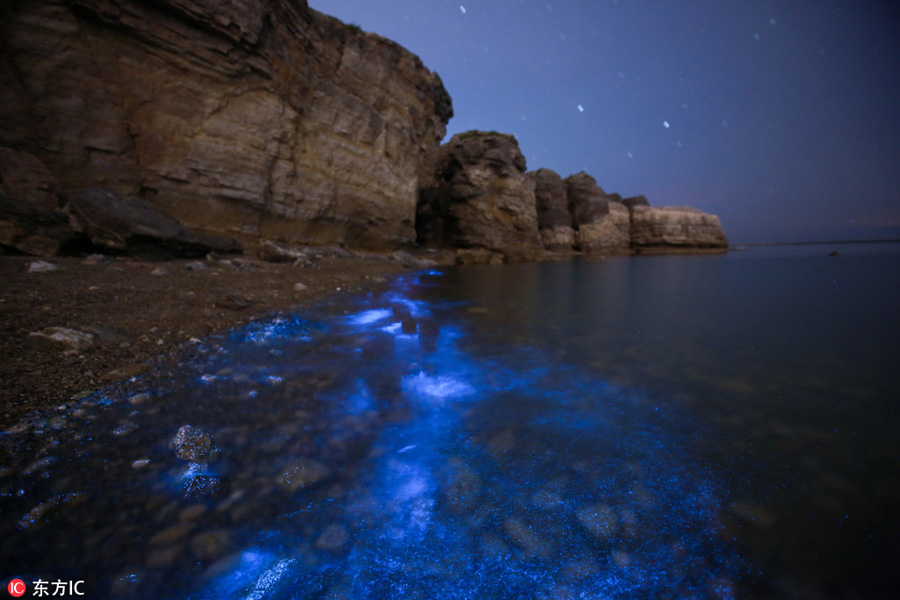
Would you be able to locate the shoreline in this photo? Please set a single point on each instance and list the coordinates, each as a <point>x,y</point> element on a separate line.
<point>139,314</point>
<point>135,315</point>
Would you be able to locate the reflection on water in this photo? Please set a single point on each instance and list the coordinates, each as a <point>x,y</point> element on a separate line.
<point>570,430</point>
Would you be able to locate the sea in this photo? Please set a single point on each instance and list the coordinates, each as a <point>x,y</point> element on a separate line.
<point>676,426</point>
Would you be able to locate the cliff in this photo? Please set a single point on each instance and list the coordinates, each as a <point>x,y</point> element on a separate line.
<point>130,124</point>
<point>479,197</point>
<point>261,117</point>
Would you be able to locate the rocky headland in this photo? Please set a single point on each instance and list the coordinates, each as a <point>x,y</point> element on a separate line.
<point>265,120</point>
<point>182,130</point>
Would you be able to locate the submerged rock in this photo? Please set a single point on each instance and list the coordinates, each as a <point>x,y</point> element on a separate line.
<point>333,538</point>
<point>302,474</point>
<point>193,444</point>
<point>599,520</point>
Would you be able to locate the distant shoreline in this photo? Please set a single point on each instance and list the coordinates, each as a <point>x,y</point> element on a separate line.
<point>822,243</point>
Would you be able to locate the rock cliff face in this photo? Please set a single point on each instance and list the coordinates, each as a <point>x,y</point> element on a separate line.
<point>675,227</point>
<point>554,218</point>
<point>601,224</point>
<point>260,117</point>
<point>480,197</point>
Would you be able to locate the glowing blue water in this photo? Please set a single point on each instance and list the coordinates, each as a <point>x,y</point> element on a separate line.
<point>540,431</point>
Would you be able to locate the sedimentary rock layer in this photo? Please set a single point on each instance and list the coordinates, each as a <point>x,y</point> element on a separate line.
<point>260,117</point>
<point>675,226</point>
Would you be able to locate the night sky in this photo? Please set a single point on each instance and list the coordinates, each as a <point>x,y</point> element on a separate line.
<point>782,117</point>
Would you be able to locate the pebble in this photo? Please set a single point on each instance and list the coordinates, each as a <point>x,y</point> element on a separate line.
<point>164,558</point>
<point>172,534</point>
<point>599,520</point>
<point>192,513</point>
<point>304,473</point>
<point>193,444</point>
<point>196,265</point>
<point>333,538</point>
<point>124,429</point>
<point>526,539</point>
<point>125,372</point>
<point>42,266</point>
<point>202,486</point>
<point>141,398</point>
<point>300,287</point>
<point>462,486</point>
<point>211,545</point>
<point>159,272</point>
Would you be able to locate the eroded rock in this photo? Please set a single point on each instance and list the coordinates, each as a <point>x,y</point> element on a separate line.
<point>675,226</point>
<point>132,225</point>
<point>480,197</point>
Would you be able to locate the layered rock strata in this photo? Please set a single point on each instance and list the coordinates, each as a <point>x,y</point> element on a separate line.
<point>601,224</point>
<point>554,218</point>
<point>262,117</point>
<point>480,197</point>
<point>675,227</point>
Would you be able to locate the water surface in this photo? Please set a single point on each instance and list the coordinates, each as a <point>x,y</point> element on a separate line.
<point>646,427</point>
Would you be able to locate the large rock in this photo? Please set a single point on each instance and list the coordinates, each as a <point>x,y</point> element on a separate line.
<point>262,117</point>
<point>132,225</point>
<point>609,233</point>
<point>554,218</point>
<point>480,198</point>
<point>675,226</point>
<point>601,223</point>
<point>31,221</point>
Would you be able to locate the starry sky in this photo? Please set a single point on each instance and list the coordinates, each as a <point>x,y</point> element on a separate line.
<point>782,117</point>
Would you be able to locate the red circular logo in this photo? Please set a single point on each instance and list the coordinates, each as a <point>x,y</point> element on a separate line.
<point>16,588</point>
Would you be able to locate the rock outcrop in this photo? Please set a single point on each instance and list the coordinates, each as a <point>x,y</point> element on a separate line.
<point>480,198</point>
<point>554,218</point>
<point>121,224</point>
<point>675,227</point>
<point>600,224</point>
<point>262,117</point>
<point>31,221</point>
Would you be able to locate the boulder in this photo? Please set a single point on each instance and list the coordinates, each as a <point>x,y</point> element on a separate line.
<point>554,218</point>
<point>261,117</point>
<point>126,224</point>
<point>675,227</point>
<point>480,198</point>
<point>31,221</point>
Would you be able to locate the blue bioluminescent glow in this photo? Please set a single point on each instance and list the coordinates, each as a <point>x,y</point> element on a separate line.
<point>419,466</point>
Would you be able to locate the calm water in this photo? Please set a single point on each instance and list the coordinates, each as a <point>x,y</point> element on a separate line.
<point>646,427</point>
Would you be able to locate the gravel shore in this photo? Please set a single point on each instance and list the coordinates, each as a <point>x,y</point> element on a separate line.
<point>132,314</point>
